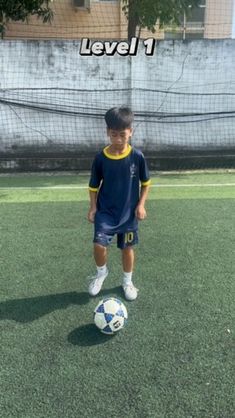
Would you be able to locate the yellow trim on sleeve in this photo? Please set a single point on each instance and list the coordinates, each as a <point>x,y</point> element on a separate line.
<point>118,156</point>
<point>146,183</point>
<point>93,189</point>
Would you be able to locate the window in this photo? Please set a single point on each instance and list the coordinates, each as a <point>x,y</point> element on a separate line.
<point>196,16</point>
<point>192,24</point>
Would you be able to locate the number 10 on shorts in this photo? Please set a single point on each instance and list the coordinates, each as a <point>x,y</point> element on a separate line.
<point>129,237</point>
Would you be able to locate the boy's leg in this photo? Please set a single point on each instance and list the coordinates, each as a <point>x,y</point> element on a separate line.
<point>125,243</point>
<point>128,259</point>
<point>101,241</point>
<point>100,255</point>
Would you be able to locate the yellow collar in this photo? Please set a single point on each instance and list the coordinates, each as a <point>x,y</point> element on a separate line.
<point>119,156</point>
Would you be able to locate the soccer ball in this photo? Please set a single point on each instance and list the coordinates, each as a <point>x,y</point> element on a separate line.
<point>110,315</point>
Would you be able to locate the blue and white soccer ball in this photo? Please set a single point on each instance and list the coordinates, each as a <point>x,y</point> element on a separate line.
<point>110,315</point>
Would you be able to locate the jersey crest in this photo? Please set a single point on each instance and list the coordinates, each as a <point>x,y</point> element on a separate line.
<point>133,169</point>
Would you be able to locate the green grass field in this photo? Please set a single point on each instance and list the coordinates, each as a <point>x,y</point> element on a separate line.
<point>174,359</point>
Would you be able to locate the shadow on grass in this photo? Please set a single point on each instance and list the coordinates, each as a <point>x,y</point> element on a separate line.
<point>113,292</point>
<point>88,335</point>
<point>30,309</point>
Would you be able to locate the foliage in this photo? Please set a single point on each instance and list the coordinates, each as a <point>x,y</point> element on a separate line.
<point>20,10</point>
<point>147,13</point>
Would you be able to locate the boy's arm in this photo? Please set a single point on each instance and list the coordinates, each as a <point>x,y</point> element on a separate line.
<point>92,210</point>
<point>94,184</point>
<point>140,211</point>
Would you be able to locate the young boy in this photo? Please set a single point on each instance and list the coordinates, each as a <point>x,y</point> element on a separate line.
<point>116,201</point>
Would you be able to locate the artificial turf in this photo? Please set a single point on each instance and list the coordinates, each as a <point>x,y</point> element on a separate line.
<point>175,357</point>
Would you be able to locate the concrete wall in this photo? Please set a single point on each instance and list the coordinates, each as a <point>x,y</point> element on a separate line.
<point>181,77</point>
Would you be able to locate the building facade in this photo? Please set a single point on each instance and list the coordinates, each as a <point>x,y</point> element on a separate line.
<point>104,19</point>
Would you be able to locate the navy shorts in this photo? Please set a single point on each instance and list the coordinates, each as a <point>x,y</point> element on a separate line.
<point>124,240</point>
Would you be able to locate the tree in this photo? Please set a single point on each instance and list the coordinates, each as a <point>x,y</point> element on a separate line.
<point>146,13</point>
<point>21,10</point>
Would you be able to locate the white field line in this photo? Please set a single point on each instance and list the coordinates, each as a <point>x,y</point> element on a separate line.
<point>86,187</point>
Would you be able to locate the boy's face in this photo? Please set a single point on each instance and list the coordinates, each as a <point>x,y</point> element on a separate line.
<point>119,137</point>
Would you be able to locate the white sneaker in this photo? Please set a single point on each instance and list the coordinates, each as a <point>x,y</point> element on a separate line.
<point>130,291</point>
<point>96,283</point>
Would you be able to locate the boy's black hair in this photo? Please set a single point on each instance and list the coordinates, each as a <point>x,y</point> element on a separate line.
<point>119,118</point>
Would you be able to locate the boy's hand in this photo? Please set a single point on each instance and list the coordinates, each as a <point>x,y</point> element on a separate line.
<point>91,215</point>
<point>140,212</point>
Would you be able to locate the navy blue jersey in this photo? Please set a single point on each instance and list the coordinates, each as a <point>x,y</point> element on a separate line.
<point>117,180</point>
